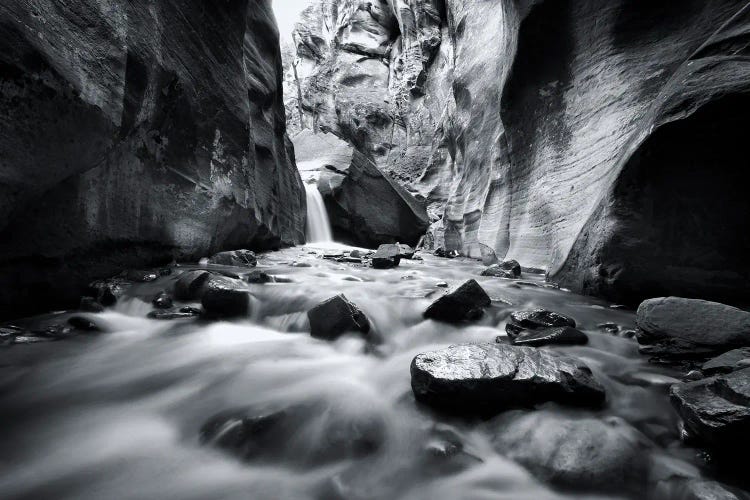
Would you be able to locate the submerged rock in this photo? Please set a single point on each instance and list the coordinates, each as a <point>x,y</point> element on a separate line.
<point>477,379</point>
<point>191,284</point>
<point>716,410</point>
<point>581,453</point>
<point>386,257</point>
<point>259,277</point>
<point>506,269</point>
<point>310,434</point>
<point>466,303</point>
<point>336,316</point>
<point>84,324</point>
<point>536,319</point>
<point>674,327</point>
<point>226,297</point>
<point>162,300</point>
<point>237,258</point>
<point>563,335</point>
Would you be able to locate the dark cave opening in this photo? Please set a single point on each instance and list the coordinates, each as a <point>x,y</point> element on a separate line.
<point>682,208</point>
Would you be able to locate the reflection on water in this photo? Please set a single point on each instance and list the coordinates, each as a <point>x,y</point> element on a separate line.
<point>118,415</point>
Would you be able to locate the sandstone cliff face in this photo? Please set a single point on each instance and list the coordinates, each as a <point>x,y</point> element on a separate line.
<point>597,140</point>
<point>137,132</point>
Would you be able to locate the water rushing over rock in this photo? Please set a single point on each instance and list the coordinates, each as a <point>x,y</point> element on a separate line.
<point>318,225</point>
<point>254,407</point>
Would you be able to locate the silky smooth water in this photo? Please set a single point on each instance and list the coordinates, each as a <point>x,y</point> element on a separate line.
<point>117,415</point>
<point>318,226</point>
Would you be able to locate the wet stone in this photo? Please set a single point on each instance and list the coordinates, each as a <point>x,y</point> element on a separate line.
<point>481,379</point>
<point>89,304</point>
<point>336,316</point>
<point>225,297</point>
<point>386,257</point>
<point>191,284</point>
<point>107,292</point>
<point>716,410</point>
<point>507,269</point>
<point>563,335</point>
<point>536,319</point>
<point>140,275</point>
<point>466,303</point>
<point>84,324</point>
<point>162,300</point>
<point>170,315</point>
<point>259,277</point>
<point>237,258</point>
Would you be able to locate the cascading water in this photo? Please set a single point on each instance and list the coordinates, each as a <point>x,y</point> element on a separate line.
<point>318,225</point>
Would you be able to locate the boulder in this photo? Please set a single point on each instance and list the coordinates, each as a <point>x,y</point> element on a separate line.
<point>561,335</point>
<point>114,158</point>
<point>140,275</point>
<point>84,324</point>
<point>259,277</point>
<point>684,328</point>
<point>336,316</point>
<point>580,453</point>
<point>730,361</point>
<point>387,256</point>
<point>716,410</point>
<point>107,292</point>
<point>446,254</point>
<point>226,297</point>
<point>406,251</point>
<point>237,258</point>
<point>190,285</point>
<point>506,269</point>
<point>479,379</point>
<point>536,319</point>
<point>162,300</point>
<point>466,303</point>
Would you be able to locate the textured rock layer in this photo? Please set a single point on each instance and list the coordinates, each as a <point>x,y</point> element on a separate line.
<point>133,132</point>
<point>601,141</point>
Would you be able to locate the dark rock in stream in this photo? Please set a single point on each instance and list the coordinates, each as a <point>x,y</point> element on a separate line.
<point>190,285</point>
<point>716,410</point>
<point>89,304</point>
<point>406,251</point>
<point>466,303</point>
<point>140,275</point>
<point>536,319</point>
<point>562,335</point>
<point>446,254</point>
<point>309,434</point>
<point>507,269</point>
<point>226,297</point>
<point>162,300</point>
<point>237,258</point>
<point>480,379</point>
<point>673,327</point>
<point>678,488</point>
<point>336,316</point>
<point>108,291</point>
<point>259,277</point>
<point>386,257</point>
<point>84,324</point>
<point>581,453</point>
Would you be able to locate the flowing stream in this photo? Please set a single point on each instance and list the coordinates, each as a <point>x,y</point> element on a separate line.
<point>117,415</point>
<point>318,225</point>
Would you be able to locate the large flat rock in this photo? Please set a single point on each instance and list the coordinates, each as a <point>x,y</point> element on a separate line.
<point>478,379</point>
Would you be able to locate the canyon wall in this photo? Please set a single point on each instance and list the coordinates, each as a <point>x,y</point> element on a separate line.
<point>597,140</point>
<point>137,132</point>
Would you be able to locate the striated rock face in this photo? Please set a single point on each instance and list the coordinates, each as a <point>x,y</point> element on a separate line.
<point>136,132</point>
<point>600,141</point>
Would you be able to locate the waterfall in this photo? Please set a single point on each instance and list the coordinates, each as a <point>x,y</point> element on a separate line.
<point>318,225</point>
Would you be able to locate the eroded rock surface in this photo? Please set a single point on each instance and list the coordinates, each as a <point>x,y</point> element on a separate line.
<point>465,303</point>
<point>477,379</point>
<point>134,133</point>
<point>521,125</point>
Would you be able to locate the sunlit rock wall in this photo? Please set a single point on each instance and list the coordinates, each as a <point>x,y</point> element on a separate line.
<point>517,121</point>
<point>132,133</point>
